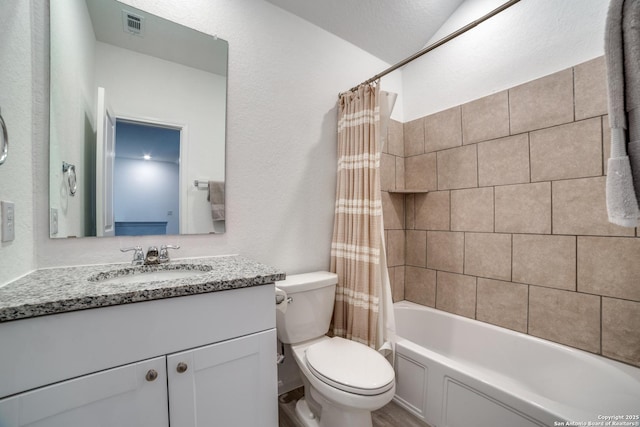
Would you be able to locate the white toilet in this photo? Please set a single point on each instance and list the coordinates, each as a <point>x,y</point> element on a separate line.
<point>343,380</point>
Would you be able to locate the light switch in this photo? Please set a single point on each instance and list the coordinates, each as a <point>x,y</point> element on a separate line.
<point>8,221</point>
<point>53,227</point>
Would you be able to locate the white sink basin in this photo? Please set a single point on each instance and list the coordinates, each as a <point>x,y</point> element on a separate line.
<point>150,274</point>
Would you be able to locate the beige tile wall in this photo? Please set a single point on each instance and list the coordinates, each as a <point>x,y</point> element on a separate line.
<point>509,225</point>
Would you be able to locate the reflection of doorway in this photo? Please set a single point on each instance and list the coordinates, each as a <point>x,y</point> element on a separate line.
<point>146,179</point>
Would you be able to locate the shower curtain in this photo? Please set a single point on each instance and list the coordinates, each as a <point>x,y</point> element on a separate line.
<point>363,309</point>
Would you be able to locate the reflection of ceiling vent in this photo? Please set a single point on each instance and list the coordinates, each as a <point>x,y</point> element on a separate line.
<point>133,23</point>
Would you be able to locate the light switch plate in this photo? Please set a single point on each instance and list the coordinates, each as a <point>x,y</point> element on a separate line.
<point>8,221</point>
<point>53,226</point>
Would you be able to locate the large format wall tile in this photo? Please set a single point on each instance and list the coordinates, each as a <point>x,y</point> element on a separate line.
<point>414,137</point>
<point>420,286</point>
<point>590,89</point>
<point>503,303</point>
<point>620,337</point>
<point>488,255</point>
<point>565,317</point>
<point>395,247</point>
<point>456,294</point>
<point>524,208</point>
<point>420,172</point>
<point>387,172</point>
<point>485,118</point>
<point>569,151</point>
<point>542,103</point>
<point>432,210</point>
<point>445,251</point>
<point>396,277</point>
<point>504,161</point>
<point>472,209</point>
<point>580,207</point>
<point>609,266</point>
<point>392,211</point>
<point>416,254</point>
<point>442,130</point>
<point>545,260</point>
<point>458,168</point>
<point>395,138</point>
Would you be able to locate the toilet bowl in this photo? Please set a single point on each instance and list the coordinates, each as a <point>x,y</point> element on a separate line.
<point>344,380</point>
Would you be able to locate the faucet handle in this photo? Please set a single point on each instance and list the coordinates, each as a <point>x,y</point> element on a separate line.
<point>138,256</point>
<point>164,252</point>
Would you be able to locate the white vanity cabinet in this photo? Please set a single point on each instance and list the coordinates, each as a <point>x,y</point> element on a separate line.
<point>116,397</point>
<point>214,356</point>
<point>229,383</point>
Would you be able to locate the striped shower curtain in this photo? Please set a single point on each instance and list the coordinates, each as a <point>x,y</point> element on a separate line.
<point>357,234</point>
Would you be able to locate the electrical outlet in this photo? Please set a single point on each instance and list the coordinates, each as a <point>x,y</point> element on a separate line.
<point>53,226</point>
<point>8,221</point>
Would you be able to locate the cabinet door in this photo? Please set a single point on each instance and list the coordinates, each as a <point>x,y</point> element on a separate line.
<point>121,397</point>
<point>229,384</point>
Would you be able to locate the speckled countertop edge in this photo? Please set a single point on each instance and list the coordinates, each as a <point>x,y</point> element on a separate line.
<point>60,290</point>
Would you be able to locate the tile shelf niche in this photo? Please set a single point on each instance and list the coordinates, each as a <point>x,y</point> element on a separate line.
<point>410,191</point>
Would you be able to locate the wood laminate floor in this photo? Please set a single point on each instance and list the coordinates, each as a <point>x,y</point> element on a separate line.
<point>390,415</point>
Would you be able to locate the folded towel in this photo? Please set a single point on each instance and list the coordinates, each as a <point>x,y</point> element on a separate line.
<point>216,198</point>
<point>622,54</point>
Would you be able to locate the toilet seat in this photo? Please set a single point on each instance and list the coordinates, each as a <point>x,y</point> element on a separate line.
<point>350,366</point>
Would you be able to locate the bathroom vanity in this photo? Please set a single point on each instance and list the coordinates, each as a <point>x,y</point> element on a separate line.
<point>193,351</point>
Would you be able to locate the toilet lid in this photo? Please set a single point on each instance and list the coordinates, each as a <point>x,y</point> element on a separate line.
<point>350,366</point>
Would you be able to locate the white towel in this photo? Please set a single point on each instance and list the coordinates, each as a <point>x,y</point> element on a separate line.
<point>623,83</point>
<point>216,198</point>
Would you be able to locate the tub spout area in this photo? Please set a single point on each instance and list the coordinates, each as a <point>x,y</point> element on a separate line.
<point>455,371</point>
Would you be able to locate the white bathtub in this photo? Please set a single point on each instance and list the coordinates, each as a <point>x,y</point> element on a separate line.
<point>457,372</point>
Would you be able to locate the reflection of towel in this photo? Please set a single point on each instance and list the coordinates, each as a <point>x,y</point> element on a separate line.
<point>216,197</point>
<point>622,56</point>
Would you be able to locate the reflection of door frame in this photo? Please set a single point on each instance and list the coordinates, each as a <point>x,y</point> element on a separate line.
<point>105,146</point>
<point>184,153</point>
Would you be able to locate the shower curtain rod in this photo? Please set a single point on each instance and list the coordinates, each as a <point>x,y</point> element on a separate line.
<point>437,43</point>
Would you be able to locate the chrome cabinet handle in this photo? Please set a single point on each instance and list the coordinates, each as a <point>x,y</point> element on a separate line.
<point>152,374</point>
<point>182,367</point>
<point>4,151</point>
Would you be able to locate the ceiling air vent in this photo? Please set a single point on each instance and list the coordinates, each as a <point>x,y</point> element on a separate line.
<point>133,24</point>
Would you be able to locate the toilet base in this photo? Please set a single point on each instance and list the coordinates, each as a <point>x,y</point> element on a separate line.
<point>331,418</point>
<point>305,415</point>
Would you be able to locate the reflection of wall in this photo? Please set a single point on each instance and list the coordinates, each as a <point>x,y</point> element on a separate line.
<point>170,92</point>
<point>146,191</point>
<point>73,99</point>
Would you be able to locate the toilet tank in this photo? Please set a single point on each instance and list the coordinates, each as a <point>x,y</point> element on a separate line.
<point>309,313</point>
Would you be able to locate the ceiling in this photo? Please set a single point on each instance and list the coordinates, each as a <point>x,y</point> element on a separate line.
<point>159,37</point>
<point>388,29</point>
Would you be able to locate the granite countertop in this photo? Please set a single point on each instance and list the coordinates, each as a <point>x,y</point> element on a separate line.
<point>59,290</point>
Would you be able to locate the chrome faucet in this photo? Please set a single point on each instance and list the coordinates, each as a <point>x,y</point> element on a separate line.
<point>138,255</point>
<point>153,255</point>
<point>164,252</point>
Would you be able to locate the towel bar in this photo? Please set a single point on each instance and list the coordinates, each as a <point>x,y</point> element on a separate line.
<point>4,143</point>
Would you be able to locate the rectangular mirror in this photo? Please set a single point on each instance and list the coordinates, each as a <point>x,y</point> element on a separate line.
<point>137,123</point>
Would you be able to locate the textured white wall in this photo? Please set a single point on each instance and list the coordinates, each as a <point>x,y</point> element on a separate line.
<point>531,39</point>
<point>16,174</point>
<point>284,78</point>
